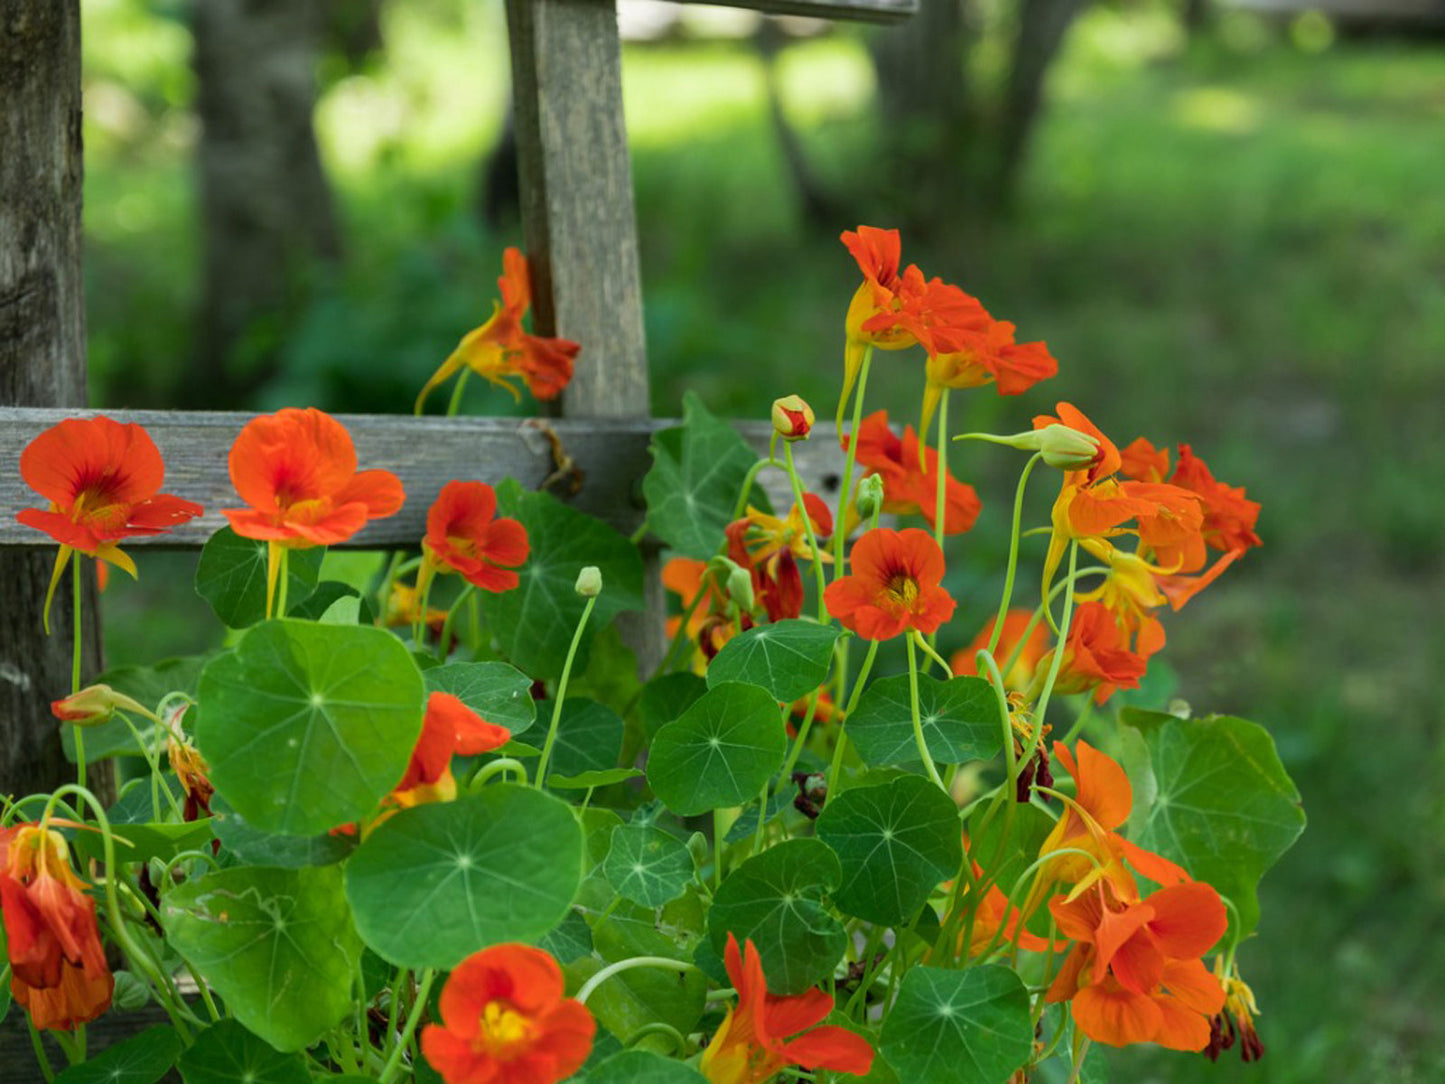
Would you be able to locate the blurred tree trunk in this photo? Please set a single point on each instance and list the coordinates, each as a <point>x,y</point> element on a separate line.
<point>1196,15</point>
<point>42,362</point>
<point>1042,25</point>
<point>928,140</point>
<point>266,209</point>
<point>820,209</point>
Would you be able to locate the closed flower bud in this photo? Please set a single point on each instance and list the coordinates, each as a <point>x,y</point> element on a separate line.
<point>870,496</point>
<point>1063,448</point>
<point>93,705</point>
<point>792,417</point>
<point>740,589</point>
<point>589,582</point>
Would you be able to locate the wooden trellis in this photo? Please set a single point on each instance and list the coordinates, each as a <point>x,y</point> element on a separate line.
<point>580,234</point>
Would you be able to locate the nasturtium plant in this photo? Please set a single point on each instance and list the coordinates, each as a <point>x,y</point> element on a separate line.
<point>439,816</point>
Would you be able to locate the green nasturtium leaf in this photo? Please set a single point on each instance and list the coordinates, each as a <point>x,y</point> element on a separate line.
<point>435,883</point>
<point>966,1027</point>
<point>231,576</point>
<point>642,1067</point>
<point>253,847</point>
<point>896,842</point>
<point>501,694</point>
<point>719,752</point>
<point>226,1053</point>
<point>278,945</point>
<point>776,899</point>
<point>336,603</point>
<point>788,658</point>
<point>697,470</point>
<point>960,719</point>
<point>161,840</point>
<point>306,726</point>
<point>535,622</point>
<point>1224,808</point>
<point>591,779</point>
<point>589,738</point>
<point>666,697</point>
<point>146,685</point>
<point>141,1059</point>
<point>633,999</point>
<point>647,865</point>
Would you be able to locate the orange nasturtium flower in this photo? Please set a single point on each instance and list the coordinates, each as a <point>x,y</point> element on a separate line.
<point>752,1045</point>
<point>57,965</point>
<point>505,1021</point>
<point>102,479</point>
<point>464,536</point>
<point>1021,673</point>
<point>770,546</point>
<point>502,348</point>
<point>907,489</point>
<point>895,585</point>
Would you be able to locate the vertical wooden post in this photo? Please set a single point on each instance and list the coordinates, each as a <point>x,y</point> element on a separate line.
<point>42,355</point>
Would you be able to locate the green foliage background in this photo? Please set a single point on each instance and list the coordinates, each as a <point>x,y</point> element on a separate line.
<point>1236,242</point>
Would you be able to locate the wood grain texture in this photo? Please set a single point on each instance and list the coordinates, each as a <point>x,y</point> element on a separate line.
<point>577,204</point>
<point>425,453</point>
<point>873,11</point>
<point>42,357</point>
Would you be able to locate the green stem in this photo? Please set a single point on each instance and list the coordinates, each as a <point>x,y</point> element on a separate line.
<point>79,731</point>
<point>808,527</point>
<point>717,846</point>
<point>836,767</point>
<point>1041,710</point>
<point>1013,553</point>
<point>627,965</point>
<point>679,1042</point>
<point>418,1006</point>
<point>562,693</point>
<point>467,593</point>
<point>455,403</point>
<point>940,506</point>
<point>742,503</point>
<point>41,1057</point>
<point>497,767</point>
<point>638,535</point>
<point>845,501</point>
<point>802,737</point>
<point>681,637</point>
<point>918,737</point>
<point>927,649</point>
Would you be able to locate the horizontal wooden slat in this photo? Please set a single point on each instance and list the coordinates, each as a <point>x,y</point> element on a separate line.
<point>873,11</point>
<point>425,453</point>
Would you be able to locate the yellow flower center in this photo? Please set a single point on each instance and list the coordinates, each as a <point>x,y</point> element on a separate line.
<point>505,1032</point>
<point>903,590</point>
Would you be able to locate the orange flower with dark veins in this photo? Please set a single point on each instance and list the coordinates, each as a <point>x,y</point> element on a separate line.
<point>505,1021</point>
<point>464,536</point>
<point>894,585</point>
<point>752,1045</point>
<point>57,965</point>
<point>296,469</point>
<point>502,348</point>
<point>102,479</point>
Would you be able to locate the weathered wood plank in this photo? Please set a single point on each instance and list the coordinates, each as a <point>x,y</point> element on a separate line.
<point>577,206</point>
<point>873,11</point>
<point>425,453</point>
<point>42,353</point>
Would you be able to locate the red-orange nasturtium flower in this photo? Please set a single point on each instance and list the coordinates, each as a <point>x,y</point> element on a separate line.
<point>296,470</point>
<point>752,1045</point>
<point>907,489</point>
<point>57,965</point>
<point>102,479</point>
<point>1097,655</point>
<point>505,1021</point>
<point>1134,973</point>
<point>463,536</point>
<point>895,584</point>
<point>503,348</point>
<point>1021,673</point>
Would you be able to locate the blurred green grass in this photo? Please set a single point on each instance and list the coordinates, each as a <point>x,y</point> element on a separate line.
<point>1232,243</point>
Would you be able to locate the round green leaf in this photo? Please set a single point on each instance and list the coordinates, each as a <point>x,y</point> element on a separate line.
<point>776,899</point>
<point>231,576</point>
<point>253,847</point>
<point>647,865</point>
<point>960,720</point>
<point>277,944</point>
<point>307,726</point>
<point>642,1067</point>
<point>896,841</point>
<point>226,1053</point>
<point>966,1027</point>
<point>499,693</point>
<point>1224,808</point>
<point>435,883</point>
<point>592,779</point>
<point>665,698</point>
<point>788,658</point>
<point>141,1059</point>
<point>589,738</point>
<point>719,752</point>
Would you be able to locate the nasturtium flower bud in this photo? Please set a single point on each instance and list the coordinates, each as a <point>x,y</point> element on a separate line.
<point>792,417</point>
<point>93,705</point>
<point>740,589</point>
<point>589,582</point>
<point>1063,447</point>
<point>870,496</point>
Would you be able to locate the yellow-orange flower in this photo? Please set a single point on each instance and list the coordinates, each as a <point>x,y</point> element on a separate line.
<point>895,585</point>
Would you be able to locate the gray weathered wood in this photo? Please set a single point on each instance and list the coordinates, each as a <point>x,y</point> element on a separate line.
<point>577,210</point>
<point>42,353</point>
<point>425,453</point>
<point>873,11</point>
